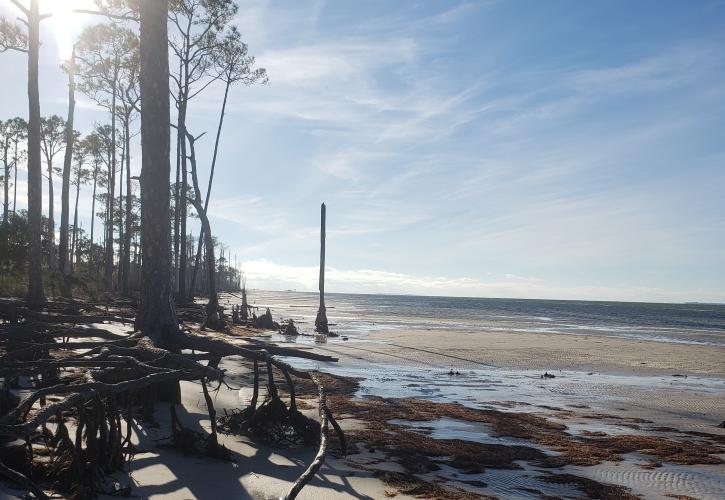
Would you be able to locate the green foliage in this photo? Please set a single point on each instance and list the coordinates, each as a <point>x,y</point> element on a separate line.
<point>12,36</point>
<point>234,63</point>
<point>107,59</point>
<point>52,136</point>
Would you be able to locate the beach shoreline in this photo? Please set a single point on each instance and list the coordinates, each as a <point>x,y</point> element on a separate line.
<point>466,414</point>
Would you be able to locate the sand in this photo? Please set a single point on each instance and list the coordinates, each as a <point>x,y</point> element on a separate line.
<point>256,471</point>
<point>548,352</point>
<point>598,355</point>
<point>598,380</point>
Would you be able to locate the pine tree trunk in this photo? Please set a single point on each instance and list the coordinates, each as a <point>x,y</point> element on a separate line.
<point>181,284</point>
<point>93,218</point>
<point>15,178</point>
<point>119,275</point>
<point>51,218</point>
<point>6,182</point>
<point>177,187</point>
<point>156,316</point>
<point>63,256</point>
<point>74,245</point>
<point>35,176</point>
<point>108,269</point>
<point>126,265</point>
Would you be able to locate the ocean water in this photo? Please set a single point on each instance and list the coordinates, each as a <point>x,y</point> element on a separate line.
<point>355,315</point>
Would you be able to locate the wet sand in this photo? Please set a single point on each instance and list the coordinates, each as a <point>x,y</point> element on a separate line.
<point>602,388</point>
<point>541,351</point>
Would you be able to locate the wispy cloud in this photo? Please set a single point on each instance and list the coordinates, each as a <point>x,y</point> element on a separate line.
<point>582,160</point>
<point>265,274</point>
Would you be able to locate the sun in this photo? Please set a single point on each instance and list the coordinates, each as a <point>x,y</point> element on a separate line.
<point>65,24</point>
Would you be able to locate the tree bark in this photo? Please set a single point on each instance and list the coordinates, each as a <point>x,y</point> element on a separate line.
<point>126,264</point>
<point>156,316</point>
<point>35,176</point>
<point>93,218</point>
<point>6,181</point>
<point>108,268</point>
<point>74,245</point>
<point>63,256</point>
<point>51,219</point>
<point>119,274</point>
<point>177,187</point>
<point>181,285</point>
<point>15,177</point>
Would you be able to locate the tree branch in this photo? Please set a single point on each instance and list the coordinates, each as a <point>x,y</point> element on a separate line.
<point>110,15</point>
<point>21,7</point>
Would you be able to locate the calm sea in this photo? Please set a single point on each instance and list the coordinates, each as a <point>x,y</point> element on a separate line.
<point>358,314</point>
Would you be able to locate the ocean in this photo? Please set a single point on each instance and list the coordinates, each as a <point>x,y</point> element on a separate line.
<point>355,315</point>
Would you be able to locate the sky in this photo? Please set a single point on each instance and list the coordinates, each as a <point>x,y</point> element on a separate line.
<point>559,149</point>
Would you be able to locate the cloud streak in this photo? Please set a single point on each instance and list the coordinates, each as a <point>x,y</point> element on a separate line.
<point>269,275</point>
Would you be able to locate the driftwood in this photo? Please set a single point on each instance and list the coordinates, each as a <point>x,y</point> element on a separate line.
<point>113,374</point>
<point>320,457</point>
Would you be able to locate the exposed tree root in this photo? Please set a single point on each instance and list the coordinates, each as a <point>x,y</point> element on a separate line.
<point>112,375</point>
<point>320,457</point>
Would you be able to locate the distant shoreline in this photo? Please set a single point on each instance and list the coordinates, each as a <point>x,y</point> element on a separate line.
<point>475,297</point>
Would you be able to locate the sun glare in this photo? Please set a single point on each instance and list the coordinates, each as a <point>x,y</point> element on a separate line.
<point>65,24</point>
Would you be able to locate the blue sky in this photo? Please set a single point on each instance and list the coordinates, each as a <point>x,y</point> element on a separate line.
<point>555,149</point>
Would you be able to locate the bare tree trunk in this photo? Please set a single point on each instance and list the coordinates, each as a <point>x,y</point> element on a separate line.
<point>6,182</point>
<point>177,187</point>
<point>156,315</point>
<point>321,325</point>
<point>182,208</point>
<point>208,187</point>
<point>35,176</point>
<point>108,269</point>
<point>74,244</point>
<point>93,218</point>
<point>212,305</point>
<point>119,275</point>
<point>107,221</point>
<point>15,178</point>
<point>51,218</point>
<point>63,256</point>
<point>126,265</point>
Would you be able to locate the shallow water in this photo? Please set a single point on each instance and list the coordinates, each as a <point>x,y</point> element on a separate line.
<point>479,387</point>
<point>356,314</point>
<point>451,428</point>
